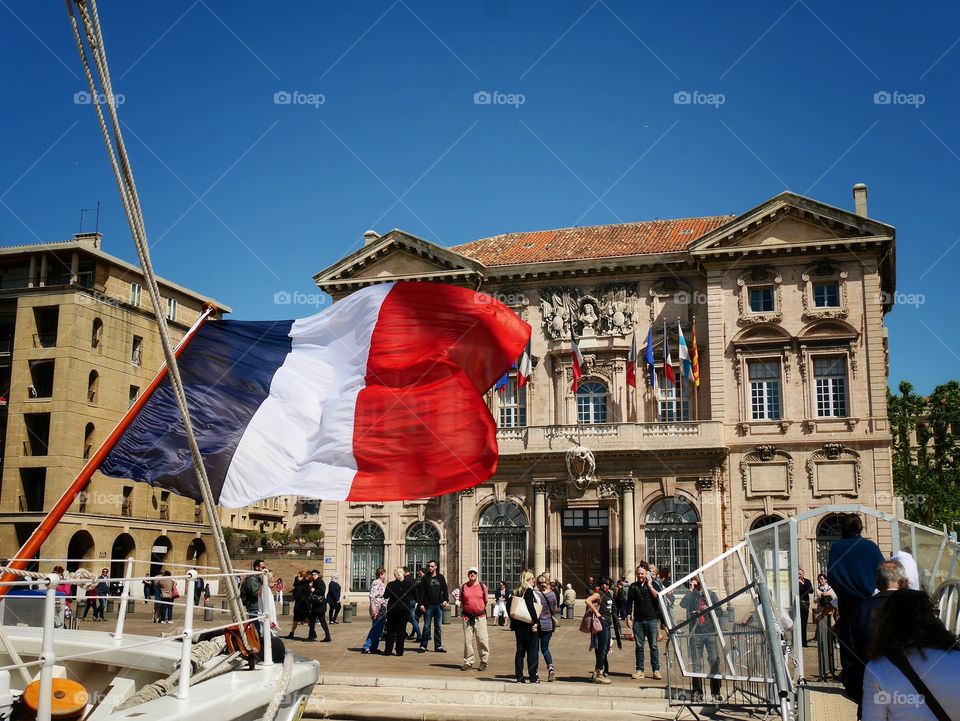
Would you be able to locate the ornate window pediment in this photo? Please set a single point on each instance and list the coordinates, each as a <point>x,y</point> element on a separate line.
<point>834,470</point>
<point>760,296</point>
<point>825,291</point>
<point>767,471</point>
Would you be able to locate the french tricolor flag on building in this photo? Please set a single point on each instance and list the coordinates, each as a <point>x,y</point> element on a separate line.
<point>377,398</point>
<point>576,358</point>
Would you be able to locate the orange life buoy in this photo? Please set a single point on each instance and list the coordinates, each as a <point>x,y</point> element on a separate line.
<point>68,698</point>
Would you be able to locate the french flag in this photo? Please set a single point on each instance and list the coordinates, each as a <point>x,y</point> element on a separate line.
<point>632,362</point>
<point>377,398</point>
<point>524,368</point>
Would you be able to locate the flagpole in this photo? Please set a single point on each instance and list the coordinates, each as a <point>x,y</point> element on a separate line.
<point>680,356</point>
<point>40,534</point>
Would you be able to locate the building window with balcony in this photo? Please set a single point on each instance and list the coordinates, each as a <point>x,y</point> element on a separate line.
<point>830,381</point>
<point>503,541</point>
<point>513,404</point>
<point>764,389</point>
<point>41,379</point>
<point>47,319</point>
<point>592,402</point>
<point>171,309</point>
<point>136,293</point>
<point>670,406</point>
<point>136,351</point>
<point>366,555</point>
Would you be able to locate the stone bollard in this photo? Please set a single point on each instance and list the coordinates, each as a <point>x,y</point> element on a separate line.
<point>286,608</point>
<point>207,612</point>
<point>348,613</point>
<point>110,605</point>
<point>569,611</point>
<point>447,615</point>
<point>131,605</point>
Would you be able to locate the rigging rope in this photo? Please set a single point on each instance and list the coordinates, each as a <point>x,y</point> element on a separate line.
<point>123,174</point>
<point>82,577</point>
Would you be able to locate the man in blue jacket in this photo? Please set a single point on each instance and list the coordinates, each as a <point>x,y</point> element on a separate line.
<point>851,571</point>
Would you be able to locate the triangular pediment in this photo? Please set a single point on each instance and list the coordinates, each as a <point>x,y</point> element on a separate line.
<point>395,256</point>
<point>790,221</point>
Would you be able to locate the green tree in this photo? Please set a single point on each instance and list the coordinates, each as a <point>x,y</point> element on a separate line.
<point>314,537</point>
<point>925,463</point>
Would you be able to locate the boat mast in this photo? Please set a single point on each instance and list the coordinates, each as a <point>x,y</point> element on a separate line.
<point>123,173</point>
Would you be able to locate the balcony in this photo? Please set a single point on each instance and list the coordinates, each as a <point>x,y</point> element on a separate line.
<point>649,437</point>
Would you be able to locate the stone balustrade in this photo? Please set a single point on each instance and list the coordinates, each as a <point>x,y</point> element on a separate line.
<point>661,436</point>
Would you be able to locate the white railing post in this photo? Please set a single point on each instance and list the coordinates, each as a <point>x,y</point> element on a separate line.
<point>124,598</point>
<point>47,654</point>
<point>183,688</point>
<point>265,619</point>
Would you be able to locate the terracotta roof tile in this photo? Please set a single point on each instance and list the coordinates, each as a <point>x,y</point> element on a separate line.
<point>595,241</point>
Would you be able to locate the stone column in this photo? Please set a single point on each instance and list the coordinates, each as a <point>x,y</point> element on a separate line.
<point>539,527</point>
<point>628,526</point>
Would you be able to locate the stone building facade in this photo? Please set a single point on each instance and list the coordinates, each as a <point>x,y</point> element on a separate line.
<point>78,345</point>
<point>787,301</point>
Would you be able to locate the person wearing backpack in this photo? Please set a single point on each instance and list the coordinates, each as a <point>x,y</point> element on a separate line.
<point>473,613</point>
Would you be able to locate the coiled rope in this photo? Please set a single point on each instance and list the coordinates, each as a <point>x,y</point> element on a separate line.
<point>82,577</point>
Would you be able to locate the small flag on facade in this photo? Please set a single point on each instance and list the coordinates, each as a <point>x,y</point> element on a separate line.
<point>695,362</point>
<point>686,367</point>
<point>650,360</point>
<point>525,368</point>
<point>632,362</point>
<point>576,357</point>
<point>668,373</point>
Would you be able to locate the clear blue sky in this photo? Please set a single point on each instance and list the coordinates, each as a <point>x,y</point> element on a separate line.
<point>245,198</point>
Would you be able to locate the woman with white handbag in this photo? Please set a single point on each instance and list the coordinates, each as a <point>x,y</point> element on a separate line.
<point>524,613</point>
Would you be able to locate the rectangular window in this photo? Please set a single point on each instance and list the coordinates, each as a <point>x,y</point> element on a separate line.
<point>136,351</point>
<point>826,295</point>
<point>134,393</point>
<point>126,509</point>
<point>38,434</point>
<point>171,309</point>
<point>513,404</point>
<point>585,518</point>
<point>670,407</point>
<point>830,377</point>
<point>591,403</point>
<point>136,291</point>
<point>764,390</point>
<point>761,300</point>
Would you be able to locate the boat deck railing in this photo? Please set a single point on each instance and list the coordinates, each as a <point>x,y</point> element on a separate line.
<point>83,579</point>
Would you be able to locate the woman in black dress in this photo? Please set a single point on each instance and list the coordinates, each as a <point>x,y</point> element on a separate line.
<point>528,645</point>
<point>398,613</point>
<point>301,602</point>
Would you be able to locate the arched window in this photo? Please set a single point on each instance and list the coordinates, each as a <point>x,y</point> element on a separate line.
<point>672,536</point>
<point>88,440</point>
<point>366,555</point>
<point>592,402</point>
<point>422,545</point>
<point>503,543</point>
<point>764,521</point>
<point>93,385</point>
<point>828,530</point>
<point>97,333</point>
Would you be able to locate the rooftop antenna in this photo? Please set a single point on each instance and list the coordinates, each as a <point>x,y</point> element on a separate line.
<point>90,210</point>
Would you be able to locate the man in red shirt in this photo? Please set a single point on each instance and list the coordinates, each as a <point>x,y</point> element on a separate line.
<point>473,612</point>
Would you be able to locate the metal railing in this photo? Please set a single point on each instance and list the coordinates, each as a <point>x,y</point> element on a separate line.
<point>48,657</point>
